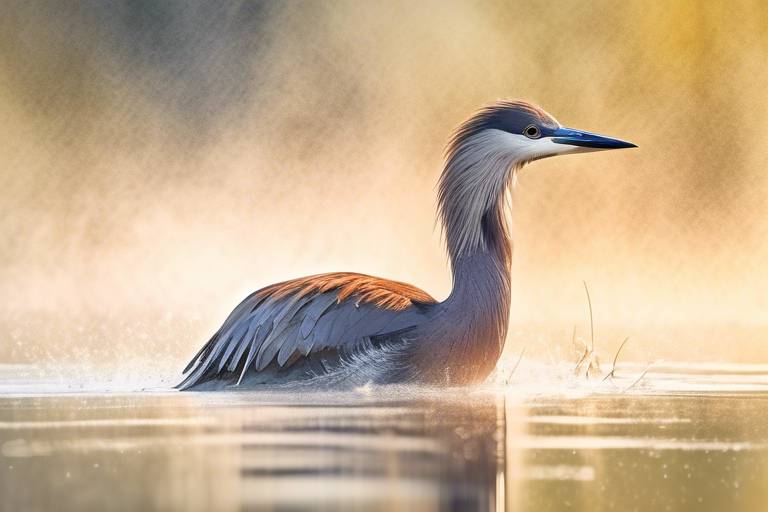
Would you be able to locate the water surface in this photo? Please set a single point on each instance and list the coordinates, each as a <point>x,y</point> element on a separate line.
<point>682,438</point>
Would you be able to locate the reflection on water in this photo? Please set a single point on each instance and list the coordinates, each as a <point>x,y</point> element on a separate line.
<point>388,449</point>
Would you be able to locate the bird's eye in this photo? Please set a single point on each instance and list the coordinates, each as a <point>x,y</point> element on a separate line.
<point>532,131</point>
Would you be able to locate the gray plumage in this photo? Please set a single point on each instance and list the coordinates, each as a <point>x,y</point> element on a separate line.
<point>343,329</point>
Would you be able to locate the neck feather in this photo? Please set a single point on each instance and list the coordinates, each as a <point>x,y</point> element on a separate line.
<point>472,193</point>
<point>471,197</point>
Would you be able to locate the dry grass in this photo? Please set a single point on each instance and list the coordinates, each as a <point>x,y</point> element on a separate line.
<point>589,361</point>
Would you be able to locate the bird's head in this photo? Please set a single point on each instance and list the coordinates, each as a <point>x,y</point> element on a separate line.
<point>524,132</point>
<point>481,161</point>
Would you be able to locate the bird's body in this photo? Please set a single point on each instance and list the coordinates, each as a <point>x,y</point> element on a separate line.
<point>344,330</point>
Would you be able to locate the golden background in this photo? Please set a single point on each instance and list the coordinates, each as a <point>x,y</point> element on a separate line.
<point>163,159</point>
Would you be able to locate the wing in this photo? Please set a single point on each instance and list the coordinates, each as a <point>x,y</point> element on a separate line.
<point>283,322</point>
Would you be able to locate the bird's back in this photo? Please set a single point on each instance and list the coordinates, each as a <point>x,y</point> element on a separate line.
<point>331,327</point>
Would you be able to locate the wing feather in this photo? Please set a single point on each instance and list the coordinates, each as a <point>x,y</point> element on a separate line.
<point>272,343</point>
<point>283,322</point>
<point>245,342</point>
<point>319,306</point>
<point>340,330</point>
<point>234,343</point>
<point>308,344</point>
<point>290,345</point>
<point>248,360</point>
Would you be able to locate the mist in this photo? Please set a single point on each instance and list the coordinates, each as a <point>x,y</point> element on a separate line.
<point>161,160</point>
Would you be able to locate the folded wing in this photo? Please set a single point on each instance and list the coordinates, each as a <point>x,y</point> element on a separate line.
<point>280,324</point>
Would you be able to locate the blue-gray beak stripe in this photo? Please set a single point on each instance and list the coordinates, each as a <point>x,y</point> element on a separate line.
<point>587,139</point>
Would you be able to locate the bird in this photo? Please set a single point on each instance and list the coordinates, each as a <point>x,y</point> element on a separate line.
<point>346,330</point>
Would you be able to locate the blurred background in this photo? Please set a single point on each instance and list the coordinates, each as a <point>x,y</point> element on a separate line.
<point>162,159</point>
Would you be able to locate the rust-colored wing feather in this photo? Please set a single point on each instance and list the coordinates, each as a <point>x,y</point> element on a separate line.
<point>281,323</point>
<point>382,292</point>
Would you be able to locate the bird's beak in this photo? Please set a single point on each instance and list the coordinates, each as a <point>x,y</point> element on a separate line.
<point>587,141</point>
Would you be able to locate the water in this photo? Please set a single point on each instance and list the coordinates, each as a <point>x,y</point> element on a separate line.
<point>682,438</point>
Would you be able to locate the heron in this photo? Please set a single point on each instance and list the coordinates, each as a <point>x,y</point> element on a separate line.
<point>344,330</point>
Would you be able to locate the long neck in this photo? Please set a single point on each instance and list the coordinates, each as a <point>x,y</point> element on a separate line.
<point>471,203</point>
